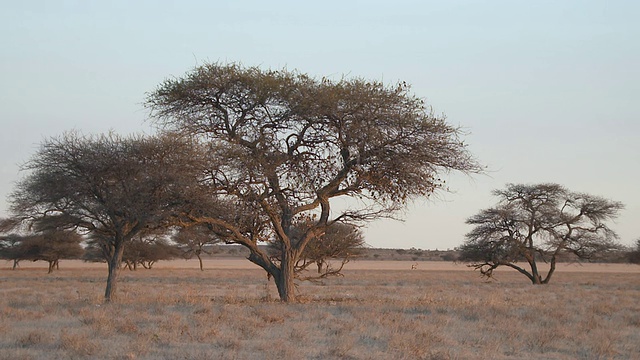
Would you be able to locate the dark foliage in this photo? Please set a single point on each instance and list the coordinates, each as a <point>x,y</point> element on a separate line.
<point>539,223</point>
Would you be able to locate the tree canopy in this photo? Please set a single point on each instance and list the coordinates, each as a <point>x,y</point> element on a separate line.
<point>540,222</point>
<point>52,246</point>
<point>107,186</point>
<point>284,145</point>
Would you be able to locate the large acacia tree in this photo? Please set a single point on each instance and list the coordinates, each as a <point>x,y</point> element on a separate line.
<point>539,223</point>
<point>285,145</point>
<point>107,186</point>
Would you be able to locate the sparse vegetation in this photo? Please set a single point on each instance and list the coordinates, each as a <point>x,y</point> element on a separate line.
<point>369,314</point>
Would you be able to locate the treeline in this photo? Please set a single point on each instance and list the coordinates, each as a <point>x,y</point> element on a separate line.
<point>144,252</point>
<point>53,246</point>
<point>622,255</point>
<point>341,243</point>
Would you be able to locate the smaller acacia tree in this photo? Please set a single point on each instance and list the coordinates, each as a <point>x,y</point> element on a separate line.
<point>341,242</point>
<point>10,248</point>
<point>108,187</point>
<point>194,240</point>
<point>11,240</point>
<point>146,251</point>
<point>51,246</point>
<point>534,223</point>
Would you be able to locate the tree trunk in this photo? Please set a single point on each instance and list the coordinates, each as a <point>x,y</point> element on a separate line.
<point>52,265</point>
<point>114,271</point>
<point>552,269</point>
<point>15,263</point>
<point>200,261</point>
<point>285,277</point>
<point>536,279</point>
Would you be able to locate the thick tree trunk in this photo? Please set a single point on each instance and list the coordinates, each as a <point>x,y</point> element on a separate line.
<point>114,271</point>
<point>285,278</point>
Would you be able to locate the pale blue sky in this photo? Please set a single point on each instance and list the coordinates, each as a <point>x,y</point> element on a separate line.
<point>546,89</point>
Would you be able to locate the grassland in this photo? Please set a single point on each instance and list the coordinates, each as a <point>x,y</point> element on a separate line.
<point>232,313</point>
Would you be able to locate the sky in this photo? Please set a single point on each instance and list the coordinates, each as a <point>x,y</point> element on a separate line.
<point>546,91</point>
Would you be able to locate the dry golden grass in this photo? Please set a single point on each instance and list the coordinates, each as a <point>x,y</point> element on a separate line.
<point>171,313</point>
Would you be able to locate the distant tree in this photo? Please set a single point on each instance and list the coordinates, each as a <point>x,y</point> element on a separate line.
<point>449,256</point>
<point>10,248</point>
<point>51,246</point>
<point>109,187</point>
<point>10,240</point>
<point>341,242</point>
<point>533,223</point>
<point>285,146</point>
<point>148,250</point>
<point>194,240</point>
<point>634,253</point>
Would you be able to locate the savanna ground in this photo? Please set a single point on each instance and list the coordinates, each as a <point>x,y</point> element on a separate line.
<point>379,310</point>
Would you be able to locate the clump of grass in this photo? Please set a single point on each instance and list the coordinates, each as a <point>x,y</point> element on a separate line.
<point>34,338</point>
<point>77,344</point>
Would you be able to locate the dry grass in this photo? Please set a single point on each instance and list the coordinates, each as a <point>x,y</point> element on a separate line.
<point>368,314</point>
